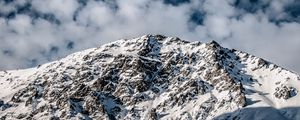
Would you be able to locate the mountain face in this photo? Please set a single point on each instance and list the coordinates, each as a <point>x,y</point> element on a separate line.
<point>152,77</point>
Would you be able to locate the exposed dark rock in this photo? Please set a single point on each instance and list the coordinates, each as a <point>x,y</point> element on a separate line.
<point>285,92</point>
<point>1,103</point>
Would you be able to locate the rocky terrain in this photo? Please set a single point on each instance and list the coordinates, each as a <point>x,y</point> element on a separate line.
<point>151,77</point>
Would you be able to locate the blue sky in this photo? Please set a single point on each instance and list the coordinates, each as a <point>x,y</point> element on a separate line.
<point>37,31</point>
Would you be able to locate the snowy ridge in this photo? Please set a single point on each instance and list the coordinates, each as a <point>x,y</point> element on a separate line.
<point>152,77</point>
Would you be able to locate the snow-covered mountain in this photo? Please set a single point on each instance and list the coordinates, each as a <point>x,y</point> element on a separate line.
<point>152,77</point>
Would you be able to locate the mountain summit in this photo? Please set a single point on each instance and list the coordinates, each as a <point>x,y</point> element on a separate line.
<point>152,77</point>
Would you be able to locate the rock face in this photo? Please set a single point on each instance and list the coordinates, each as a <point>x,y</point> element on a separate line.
<point>151,77</point>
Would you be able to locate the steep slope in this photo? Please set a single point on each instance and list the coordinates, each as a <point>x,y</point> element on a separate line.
<point>151,77</point>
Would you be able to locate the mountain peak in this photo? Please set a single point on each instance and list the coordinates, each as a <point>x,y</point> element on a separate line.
<point>149,77</point>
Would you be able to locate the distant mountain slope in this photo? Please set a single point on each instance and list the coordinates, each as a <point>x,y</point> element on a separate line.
<point>152,77</point>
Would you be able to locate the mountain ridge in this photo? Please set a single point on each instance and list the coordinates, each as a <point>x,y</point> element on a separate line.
<point>149,77</point>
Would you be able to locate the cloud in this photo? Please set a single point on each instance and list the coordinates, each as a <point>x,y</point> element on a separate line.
<point>63,9</point>
<point>34,32</point>
<point>217,27</point>
<point>265,39</point>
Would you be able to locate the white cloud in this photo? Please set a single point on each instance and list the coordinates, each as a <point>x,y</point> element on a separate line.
<point>219,7</point>
<point>218,26</point>
<point>63,9</point>
<point>20,24</point>
<point>96,14</point>
<point>28,37</point>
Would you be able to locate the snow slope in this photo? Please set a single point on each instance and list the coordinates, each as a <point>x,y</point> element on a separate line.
<point>152,77</point>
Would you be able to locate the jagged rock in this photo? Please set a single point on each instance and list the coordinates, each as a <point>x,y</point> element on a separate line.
<point>285,92</point>
<point>21,116</point>
<point>153,114</point>
<point>1,103</point>
<point>205,108</point>
<point>54,118</point>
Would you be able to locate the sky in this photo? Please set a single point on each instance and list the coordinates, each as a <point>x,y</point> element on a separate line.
<point>34,32</point>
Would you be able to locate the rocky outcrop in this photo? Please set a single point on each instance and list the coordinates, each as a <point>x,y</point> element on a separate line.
<point>285,92</point>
